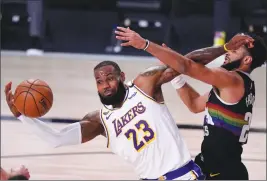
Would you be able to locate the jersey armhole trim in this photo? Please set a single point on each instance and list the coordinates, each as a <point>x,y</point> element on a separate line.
<point>144,94</point>
<point>220,99</point>
<point>105,127</point>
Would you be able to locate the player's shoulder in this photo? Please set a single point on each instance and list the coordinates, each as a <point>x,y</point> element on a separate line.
<point>244,75</point>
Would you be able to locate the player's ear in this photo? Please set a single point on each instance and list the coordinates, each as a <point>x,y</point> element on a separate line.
<point>122,76</point>
<point>247,60</point>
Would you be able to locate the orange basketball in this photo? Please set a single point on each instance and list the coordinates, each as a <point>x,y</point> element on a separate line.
<point>33,98</point>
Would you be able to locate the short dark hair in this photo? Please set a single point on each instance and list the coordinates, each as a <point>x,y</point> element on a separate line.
<point>258,52</point>
<point>107,62</point>
<point>18,177</point>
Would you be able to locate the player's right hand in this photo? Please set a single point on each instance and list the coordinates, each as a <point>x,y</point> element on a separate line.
<point>239,40</point>
<point>131,37</point>
<point>10,100</point>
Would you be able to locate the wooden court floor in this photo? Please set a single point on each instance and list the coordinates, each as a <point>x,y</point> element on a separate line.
<point>71,79</point>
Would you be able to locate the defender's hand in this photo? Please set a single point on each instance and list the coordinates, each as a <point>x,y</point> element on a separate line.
<point>20,171</point>
<point>10,100</point>
<point>133,39</point>
<point>239,40</point>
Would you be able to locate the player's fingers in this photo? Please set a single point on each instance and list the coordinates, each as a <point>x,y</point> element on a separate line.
<point>9,96</point>
<point>122,29</point>
<point>241,42</point>
<point>123,38</point>
<point>8,87</point>
<point>12,103</point>
<point>242,36</point>
<point>129,30</point>
<point>126,44</point>
<point>164,45</point>
<point>250,45</point>
<point>246,37</point>
<point>122,33</point>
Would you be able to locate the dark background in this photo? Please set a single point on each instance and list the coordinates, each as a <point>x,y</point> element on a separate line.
<point>86,26</point>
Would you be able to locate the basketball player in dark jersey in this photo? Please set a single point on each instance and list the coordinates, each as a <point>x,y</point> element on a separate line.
<point>228,113</point>
<point>228,105</point>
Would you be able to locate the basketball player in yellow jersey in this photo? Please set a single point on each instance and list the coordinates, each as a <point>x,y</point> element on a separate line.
<point>138,125</point>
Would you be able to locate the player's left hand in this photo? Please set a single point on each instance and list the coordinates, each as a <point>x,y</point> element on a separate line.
<point>10,100</point>
<point>131,37</point>
<point>239,40</point>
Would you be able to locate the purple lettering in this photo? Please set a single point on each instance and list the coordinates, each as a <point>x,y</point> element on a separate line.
<point>115,127</point>
<point>141,109</point>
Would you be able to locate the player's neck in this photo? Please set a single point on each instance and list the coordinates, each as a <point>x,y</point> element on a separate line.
<point>244,69</point>
<point>117,105</point>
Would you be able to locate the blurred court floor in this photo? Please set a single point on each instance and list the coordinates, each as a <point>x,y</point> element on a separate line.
<point>71,79</point>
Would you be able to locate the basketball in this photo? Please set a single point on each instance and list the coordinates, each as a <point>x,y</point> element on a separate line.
<point>33,98</point>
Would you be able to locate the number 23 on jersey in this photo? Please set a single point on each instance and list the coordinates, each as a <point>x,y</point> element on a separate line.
<point>132,134</point>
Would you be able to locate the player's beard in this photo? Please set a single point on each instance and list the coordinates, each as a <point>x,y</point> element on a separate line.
<point>115,99</point>
<point>232,65</point>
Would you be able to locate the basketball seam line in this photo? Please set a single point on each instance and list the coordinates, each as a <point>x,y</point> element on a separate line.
<point>27,95</point>
<point>35,104</point>
<point>39,93</point>
<point>19,95</point>
<point>40,85</point>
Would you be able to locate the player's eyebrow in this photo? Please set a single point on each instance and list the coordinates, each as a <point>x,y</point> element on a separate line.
<point>106,75</point>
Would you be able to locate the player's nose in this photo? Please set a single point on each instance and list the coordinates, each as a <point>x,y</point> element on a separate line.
<point>106,86</point>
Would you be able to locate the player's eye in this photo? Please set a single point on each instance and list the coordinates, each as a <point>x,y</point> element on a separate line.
<point>98,82</point>
<point>110,78</point>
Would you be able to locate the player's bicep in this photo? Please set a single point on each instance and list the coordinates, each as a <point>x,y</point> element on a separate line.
<point>217,77</point>
<point>156,76</point>
<point>148,79</point>
<point>91,126</point>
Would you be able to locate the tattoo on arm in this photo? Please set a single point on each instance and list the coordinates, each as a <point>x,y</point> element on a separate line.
<point>92,116</point>
<point>167,76</point>
<point>153,70</point>
<point>205,55</point>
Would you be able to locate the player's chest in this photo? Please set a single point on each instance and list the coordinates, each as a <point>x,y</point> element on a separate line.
<point>125,118</point>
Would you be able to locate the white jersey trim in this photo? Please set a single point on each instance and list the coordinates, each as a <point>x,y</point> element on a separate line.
<point>144,94</point>
<point>105,127</point>
<point>226,103</point>
<point>244,73</point>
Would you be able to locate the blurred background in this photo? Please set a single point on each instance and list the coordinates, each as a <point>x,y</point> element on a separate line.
<point>87,26</point>
<point>60,42</point>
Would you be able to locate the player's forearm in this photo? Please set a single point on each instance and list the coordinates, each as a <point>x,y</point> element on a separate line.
<point>188,95</point>
<point>206,55</point>
<point>70,135</point>
<point>169,57</point>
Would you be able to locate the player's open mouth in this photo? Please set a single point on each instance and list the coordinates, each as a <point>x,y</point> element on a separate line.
<point>108,93</point>
<point>226,60</point>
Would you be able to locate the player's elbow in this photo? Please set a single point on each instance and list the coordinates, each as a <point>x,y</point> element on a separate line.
<point>194,108</point>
